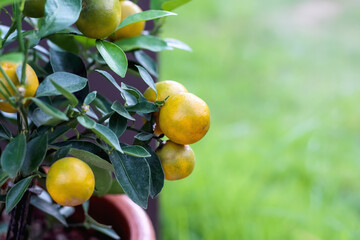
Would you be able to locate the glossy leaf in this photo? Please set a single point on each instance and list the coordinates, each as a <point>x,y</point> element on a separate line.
<point>144,136</point>
<point>147,62</point>
<point>7,2</point>
<point>173,4</point>
<point>3,177</point>
<point>70,82</point>
<point>114,56</point>
<point>136,151</point>
<point>35,154</point>
<point>107,135</point>
<point>4,132</point>
<point>103,180</point>
<point>127,170</point>
<point>157,174</point>
<point>91,158</point>
<point>67,62</point>
<point>144,16</point>
<point>12,57</point>
<point>90,98</point>
<point>13,156</point>
<point>86,122</point>
<point>148,42</point>
<point>174,43</point>
<point>73,100</point>
<point>48,208</point>
<point>146,77</point>
<point>117,124</point>
<point>62,152</point>
<point>143,107</point>
<point>130,100</point>
<point>121,110</point>
<point>48,109</point>
<point>16,193</point>
<point>40,118</point>
<point>107,231</point>
<point>59,14</point>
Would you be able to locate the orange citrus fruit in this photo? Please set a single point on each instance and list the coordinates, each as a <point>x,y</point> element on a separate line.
<point>164,89</point>
<point>34,8</point>
<point>70,181</point>
<point>185,118</point>
<point>128,8</point>
<point>177,160</point>
<point>30,86</point>
<point>98,18</point>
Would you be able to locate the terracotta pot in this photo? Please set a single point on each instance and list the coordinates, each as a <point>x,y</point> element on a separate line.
<point>128,219</point>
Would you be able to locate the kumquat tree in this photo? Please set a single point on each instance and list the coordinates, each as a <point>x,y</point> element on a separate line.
<point>60,137</point>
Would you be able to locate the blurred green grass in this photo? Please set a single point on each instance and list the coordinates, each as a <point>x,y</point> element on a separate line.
<point>282,157</point>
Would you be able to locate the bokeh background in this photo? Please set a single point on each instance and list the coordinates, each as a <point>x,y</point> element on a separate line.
<point>282,157</point>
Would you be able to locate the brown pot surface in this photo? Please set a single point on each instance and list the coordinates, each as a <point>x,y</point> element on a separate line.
<point>126,217</point>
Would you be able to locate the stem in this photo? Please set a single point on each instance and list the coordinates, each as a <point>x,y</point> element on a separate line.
<point>23,70</point>
<point>20,217</point>
<point>19,27</point>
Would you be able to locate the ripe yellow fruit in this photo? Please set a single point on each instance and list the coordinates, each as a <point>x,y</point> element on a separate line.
<point>128,8</point>
<point>185,118</point>
<point>34,8</point>
<point>164,89</point>
<point>98,18</point>
<point>70,181</point>
<point>30,86</point>
<point>177,160</point>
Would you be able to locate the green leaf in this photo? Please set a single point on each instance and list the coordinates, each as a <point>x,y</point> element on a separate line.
<point>7,2</point>
<point>121,110</point>
<point>35,154</point>
<point>107,135</point>
<point>48,208</point>
<point>90,98</point>
<point>157,173</point>
<point>144,16</point>
<point>91,159</point>
<point>70,82</point>
<point>62,152</point>
<point>3,177</point>
<point>114,56</point>
<point>67,62</point>
<point>86,122</point>
<point>143,107</point>
<point>13,156</point>
<point>134,92</point>
<point>103,180</point>
<point>174,43</point>
<point>89,152</point>
<point>65,41</point>
<point>117,124</point>
<point>136,151</point>
<point>127,170</point>
<point>48,109</point>
<point>16,193</point>
<point>73,100</point>
<point>148,42</point>
<point>129,99</point>
<point>147,62</point>
<point>40,118</point>
<point>107,231</point>
<point>12,57</point>
<point>173,4</point>
<point>144,136</point>
<point>4,132</point>
<point>59,14</point>
<point>61,129</point>
<point>146,77</point>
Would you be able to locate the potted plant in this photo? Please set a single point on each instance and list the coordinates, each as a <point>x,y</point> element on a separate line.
<point>60,137</point>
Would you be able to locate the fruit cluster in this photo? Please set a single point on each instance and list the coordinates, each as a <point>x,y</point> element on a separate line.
<point>98,19</point>
<point>184,119</point>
